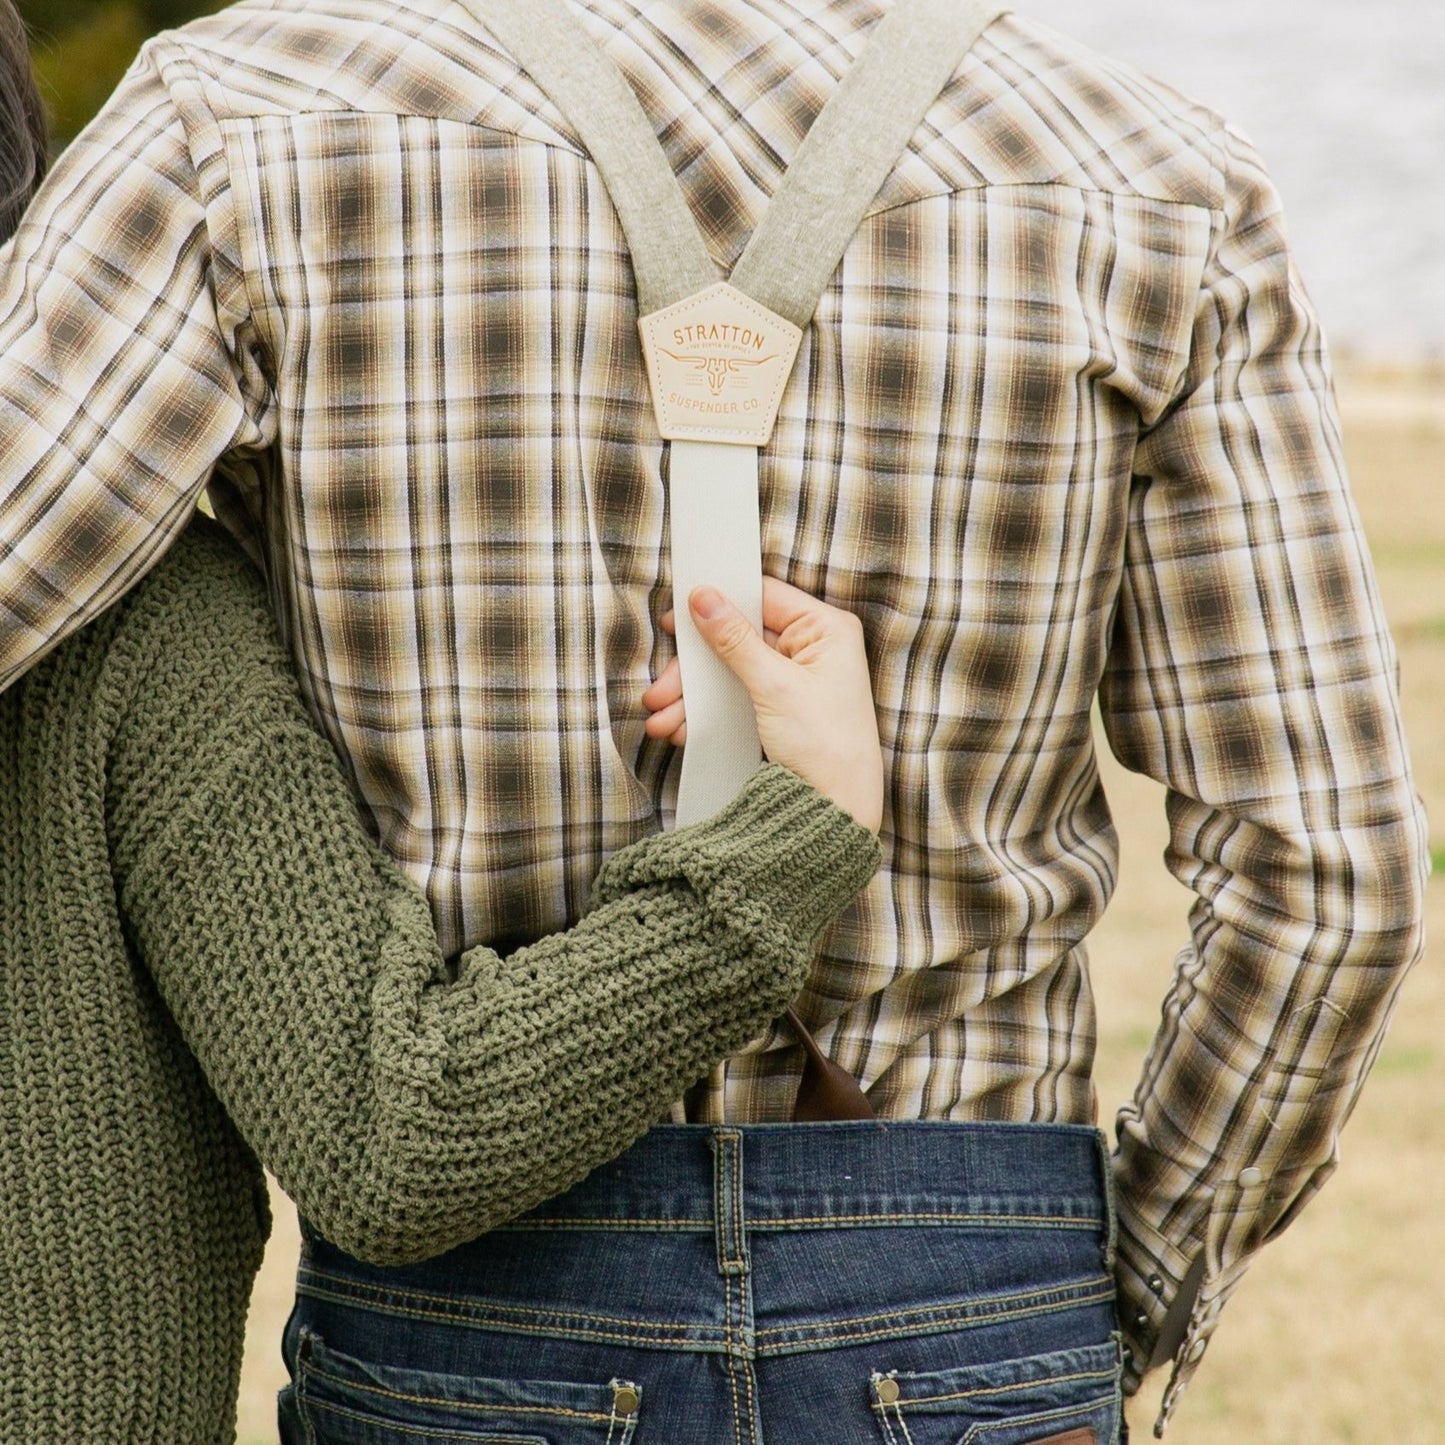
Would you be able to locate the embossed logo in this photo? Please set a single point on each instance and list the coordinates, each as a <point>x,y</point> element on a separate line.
<point>717,363</point>
<point>717,371</point>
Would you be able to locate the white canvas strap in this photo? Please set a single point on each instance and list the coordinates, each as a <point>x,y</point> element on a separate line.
<point>716,538</point>
<point>849,150</point>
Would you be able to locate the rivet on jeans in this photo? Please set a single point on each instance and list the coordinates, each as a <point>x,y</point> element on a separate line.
<point>625,1400</point>
<point>888,1391</point>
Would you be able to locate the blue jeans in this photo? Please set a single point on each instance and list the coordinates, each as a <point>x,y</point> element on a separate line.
<point>800,1284</point>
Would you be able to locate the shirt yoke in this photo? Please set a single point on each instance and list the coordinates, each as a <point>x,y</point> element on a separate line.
<point>729,98</point>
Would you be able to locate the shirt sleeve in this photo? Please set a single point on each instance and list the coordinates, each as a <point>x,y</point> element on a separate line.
<point>404,1105</point>
<point>125,368</point>
<point>1252,674</point>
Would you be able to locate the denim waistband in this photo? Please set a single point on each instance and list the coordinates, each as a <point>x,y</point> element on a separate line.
<point>721,1277</point>
<point>803,1176</point>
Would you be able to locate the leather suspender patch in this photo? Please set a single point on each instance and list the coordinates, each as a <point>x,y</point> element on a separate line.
<point>717,363</point>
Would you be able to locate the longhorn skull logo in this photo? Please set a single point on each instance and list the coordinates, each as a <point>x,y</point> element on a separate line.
<point>717,369</point>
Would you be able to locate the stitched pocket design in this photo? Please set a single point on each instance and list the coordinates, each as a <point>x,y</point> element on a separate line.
<point>345,1401</point>
<point>1068,1397</point>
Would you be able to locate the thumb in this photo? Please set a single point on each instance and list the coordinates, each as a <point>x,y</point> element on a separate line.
<point>734,640</point>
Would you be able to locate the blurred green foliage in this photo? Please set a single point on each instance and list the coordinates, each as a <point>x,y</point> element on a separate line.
<point>81,48</point>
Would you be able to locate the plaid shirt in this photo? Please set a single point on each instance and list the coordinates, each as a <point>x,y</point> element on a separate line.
<point>1061,431</point>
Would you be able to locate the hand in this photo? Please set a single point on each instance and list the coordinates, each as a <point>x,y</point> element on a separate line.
<point>808,680</point>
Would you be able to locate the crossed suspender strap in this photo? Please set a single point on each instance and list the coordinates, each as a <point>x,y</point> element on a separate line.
<point>848,152</point>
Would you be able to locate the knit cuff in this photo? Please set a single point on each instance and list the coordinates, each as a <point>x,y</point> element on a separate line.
<point>779,845</point>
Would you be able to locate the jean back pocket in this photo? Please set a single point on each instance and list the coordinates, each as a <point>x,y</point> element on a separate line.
<point>340,1400</point>
<point>1068,1397</point>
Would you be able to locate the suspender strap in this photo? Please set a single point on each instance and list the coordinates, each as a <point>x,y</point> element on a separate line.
<point>851,147</point>
<point>549,42</point>
<point>848,152</point>
<point>712,499</point>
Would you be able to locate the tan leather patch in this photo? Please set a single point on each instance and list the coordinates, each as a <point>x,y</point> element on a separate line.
<point>1084,1436</point>
<point>717,363</point>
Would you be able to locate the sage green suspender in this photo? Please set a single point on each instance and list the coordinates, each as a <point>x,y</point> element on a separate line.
<point>719,353</point>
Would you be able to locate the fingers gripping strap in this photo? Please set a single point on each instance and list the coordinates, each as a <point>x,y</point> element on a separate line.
<point>713,495</point>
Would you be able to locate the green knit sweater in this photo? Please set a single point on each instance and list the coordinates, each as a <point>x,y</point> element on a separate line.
<point>206,964</point>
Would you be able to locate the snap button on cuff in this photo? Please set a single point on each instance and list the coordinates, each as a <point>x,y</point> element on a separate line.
<point>1250,1177</point>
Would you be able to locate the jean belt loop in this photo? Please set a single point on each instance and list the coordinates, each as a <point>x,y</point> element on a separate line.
<point>732,1244</point>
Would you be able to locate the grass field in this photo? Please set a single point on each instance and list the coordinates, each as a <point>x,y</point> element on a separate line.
<point>1337,1334</point>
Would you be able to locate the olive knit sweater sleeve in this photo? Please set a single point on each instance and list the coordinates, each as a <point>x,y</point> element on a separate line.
<point>405,1109</point>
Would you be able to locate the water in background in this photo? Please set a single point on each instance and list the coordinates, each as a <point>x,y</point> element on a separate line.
<point>1346,102</point>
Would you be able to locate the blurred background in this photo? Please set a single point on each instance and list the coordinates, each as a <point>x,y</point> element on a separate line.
<point>1336,1335</point>
<point>80,48</point>
<point>1346,103</point>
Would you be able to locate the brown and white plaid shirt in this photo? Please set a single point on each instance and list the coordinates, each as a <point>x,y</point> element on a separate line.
<point>1061,431</point>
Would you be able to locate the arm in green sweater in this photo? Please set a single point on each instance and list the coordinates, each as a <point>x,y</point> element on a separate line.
<point>405,1110</point>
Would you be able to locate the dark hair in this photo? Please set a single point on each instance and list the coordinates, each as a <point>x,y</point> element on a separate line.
<point>23,152</point>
